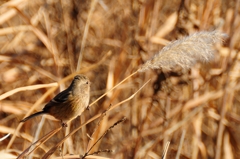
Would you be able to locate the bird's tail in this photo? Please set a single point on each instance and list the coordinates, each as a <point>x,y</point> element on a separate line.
<point>33,115</point>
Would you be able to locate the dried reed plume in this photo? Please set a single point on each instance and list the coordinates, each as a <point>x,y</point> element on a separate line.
<point>185,52</point>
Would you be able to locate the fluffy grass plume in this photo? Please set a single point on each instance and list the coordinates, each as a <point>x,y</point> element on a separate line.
<point>185,52</point>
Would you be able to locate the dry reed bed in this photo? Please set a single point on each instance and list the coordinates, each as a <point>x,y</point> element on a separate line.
<point>196,109</point>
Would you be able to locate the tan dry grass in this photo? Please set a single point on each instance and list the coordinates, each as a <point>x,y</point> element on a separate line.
<point>40,42</point>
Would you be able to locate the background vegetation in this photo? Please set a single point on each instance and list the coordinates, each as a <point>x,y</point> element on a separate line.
<point>196,110</point>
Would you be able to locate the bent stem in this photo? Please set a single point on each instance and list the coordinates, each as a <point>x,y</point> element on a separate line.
<point>40,141</point>
<point>113,88</point>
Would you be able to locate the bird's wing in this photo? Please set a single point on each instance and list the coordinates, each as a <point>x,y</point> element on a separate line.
<point>59,98</point>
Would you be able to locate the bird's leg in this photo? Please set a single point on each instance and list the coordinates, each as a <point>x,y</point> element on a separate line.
<point>63,124</point>
<point>88,107</point>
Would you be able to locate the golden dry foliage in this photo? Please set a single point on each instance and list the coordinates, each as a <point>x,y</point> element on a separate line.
<point>183,109</point>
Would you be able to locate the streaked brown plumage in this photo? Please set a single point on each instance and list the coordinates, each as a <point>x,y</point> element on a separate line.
<point>69,103</point>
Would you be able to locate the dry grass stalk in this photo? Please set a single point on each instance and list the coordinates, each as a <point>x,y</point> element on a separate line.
<point>181,144</point>
<point>185,52</point>
<point>111,127</point>
<point>92,141</point>
<point>38,143</point>
<point>165,150</point>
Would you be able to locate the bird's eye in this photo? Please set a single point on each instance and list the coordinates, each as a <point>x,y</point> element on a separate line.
<point>87,82</point>
<point>77,78</point>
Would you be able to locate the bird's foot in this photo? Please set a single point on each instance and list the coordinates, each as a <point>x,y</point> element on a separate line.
<point>88,107</point>
<point>64,124</point>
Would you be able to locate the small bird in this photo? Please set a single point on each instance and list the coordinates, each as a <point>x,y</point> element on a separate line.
<point>69,103</point>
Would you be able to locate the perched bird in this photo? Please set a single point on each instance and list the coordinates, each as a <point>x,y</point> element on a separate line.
<point>69,103</point>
